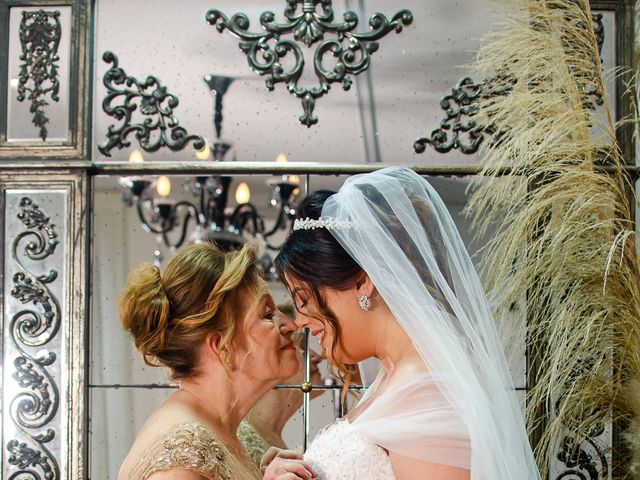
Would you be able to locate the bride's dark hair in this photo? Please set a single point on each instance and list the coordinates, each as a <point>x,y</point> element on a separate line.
<point>316,259</point>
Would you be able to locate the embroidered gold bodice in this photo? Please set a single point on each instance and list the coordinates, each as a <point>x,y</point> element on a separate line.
<point>253,442</point>
<point>192,447</point>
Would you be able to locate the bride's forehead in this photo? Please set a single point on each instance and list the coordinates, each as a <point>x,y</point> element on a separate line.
<point>296,285</point>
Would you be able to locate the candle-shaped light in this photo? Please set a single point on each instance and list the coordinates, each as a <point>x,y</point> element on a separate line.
<point>281,158</point>
<point>136,156</point>
<point>163,187</point>
<point>243,194</point>
<point>204,153</point>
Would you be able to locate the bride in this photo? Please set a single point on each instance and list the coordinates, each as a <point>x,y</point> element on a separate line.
<point>379,270</point>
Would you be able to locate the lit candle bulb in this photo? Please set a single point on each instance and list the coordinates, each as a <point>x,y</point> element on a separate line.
<point>163,186</point>
<point>136,156</point>
<point>204,153</point>
<point>281,158</point>
<point>243,194</point>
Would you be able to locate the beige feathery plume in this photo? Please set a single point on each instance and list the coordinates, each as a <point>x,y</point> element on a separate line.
<point>565,238</point>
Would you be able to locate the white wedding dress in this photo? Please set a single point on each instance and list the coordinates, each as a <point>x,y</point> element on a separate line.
<point>358,449</point>
<point>464,413</point>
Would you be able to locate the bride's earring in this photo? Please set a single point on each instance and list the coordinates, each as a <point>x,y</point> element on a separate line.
<point>364,302</point>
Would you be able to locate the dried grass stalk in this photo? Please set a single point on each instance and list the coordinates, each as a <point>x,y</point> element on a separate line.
<point>565,240</point>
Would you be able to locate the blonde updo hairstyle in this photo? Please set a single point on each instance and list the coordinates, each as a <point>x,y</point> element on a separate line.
<point>201,293</point>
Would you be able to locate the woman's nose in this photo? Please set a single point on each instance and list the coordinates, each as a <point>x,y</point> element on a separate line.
<point>286,324</point>
<point>302,320</point>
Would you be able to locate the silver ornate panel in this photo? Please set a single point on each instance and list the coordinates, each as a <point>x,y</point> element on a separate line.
<point>43,304</point>
<point>44,79</point>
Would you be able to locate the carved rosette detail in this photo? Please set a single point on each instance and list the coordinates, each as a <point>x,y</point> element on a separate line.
<point>308,25</point>
<point>159,129</point>
<point>40,33</point>
<point>34,326</point>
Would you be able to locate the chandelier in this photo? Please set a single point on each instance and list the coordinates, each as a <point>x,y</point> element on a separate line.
<point>208,210</point>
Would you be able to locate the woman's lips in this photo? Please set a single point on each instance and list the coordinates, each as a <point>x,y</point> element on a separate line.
<point>288,346</point>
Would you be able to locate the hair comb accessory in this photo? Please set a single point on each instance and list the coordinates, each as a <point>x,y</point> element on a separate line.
<point>328,223</point>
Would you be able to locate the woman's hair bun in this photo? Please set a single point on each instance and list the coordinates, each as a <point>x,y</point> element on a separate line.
<point>145,310</point>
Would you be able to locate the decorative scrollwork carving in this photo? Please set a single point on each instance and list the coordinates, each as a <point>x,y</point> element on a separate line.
<point>27,459</point>
<point>37,403</point>
<point>155,103</point>
<point>460,130</point>
<point>33,218</point>
<point>598,29</point>
<point>34,409</point>
<point>584,458</point>
<point>40,33</point>
<point>352,50</point>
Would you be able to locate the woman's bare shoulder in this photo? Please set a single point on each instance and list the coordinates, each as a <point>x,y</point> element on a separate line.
<point>173,436</point>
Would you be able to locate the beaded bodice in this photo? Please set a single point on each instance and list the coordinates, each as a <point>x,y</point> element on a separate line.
<point>253,442</point>
<point>192,447</point>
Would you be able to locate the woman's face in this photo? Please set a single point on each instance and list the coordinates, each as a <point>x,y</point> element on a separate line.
<point>268,352</point>
<point>344,305</point>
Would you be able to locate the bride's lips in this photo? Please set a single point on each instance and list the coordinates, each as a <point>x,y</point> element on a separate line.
<point>319,334</point>
<point>288,346</point>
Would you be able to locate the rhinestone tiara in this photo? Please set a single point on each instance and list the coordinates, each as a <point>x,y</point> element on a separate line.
<point>328,223</point>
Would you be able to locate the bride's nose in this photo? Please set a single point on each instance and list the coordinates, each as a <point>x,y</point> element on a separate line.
<point>302,320</point>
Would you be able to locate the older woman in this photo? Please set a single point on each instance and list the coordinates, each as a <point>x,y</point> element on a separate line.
<point>211,321</point>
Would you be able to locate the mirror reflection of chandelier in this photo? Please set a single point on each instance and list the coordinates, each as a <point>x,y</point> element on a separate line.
<point>208,211</point>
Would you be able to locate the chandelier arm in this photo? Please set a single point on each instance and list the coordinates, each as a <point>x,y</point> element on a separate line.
<point>240,214</point>
<point>274,248</point>
<point>144,221</point>
<point>281,216</point>
<point>192,212</point>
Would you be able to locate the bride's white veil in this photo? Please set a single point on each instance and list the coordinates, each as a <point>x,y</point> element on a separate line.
<point>404,238</point>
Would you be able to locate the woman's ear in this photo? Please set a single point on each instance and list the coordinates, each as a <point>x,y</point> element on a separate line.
<point>365,286</point>
<point>212,351</point>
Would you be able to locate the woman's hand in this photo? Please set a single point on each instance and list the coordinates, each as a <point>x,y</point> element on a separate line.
<point>278,464</point>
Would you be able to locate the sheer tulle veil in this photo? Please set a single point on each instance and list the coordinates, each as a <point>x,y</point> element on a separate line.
<point>404,238</point>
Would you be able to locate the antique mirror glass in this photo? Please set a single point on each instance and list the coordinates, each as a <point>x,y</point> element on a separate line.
<point>396,102</point>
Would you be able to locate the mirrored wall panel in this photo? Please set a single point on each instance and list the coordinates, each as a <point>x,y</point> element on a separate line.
<point>124,391</point>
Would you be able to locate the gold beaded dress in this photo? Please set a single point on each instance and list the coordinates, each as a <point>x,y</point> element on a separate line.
<point>193,447</point>
<point>253,442</point>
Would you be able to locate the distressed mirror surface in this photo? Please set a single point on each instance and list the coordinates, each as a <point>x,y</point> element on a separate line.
<point>387,108</point>
<point>394,103</point>
<point>124,391</point>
